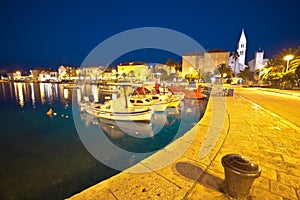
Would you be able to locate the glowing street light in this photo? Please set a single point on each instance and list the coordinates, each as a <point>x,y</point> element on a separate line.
<point>288,58</point>
<point>191,70</point>
<point>18,73</point>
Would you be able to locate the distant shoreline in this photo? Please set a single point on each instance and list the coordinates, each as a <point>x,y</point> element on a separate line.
<point>16,81</point>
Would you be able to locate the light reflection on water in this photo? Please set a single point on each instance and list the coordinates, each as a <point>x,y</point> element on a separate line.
<point>42,157</point>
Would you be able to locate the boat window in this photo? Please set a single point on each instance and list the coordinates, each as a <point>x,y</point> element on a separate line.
<point>139,101</point>
<point>131,101</point>
<point>98,107</point>
<point>154,97</point>
<point>147,100</point>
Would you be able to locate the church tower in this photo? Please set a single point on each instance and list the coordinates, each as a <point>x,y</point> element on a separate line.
<point>242,48</point>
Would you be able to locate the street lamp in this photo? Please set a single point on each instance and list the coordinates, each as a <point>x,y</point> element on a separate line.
<point>288,58</point>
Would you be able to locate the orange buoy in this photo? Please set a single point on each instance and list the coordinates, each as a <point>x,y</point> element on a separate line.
<point>50,112</point>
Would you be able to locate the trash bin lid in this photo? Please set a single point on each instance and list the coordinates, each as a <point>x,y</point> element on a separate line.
<point>240,164</point>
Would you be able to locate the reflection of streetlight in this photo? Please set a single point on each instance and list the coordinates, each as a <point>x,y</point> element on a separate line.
<point>288,58</point>
<point>191,69</point>
<point>224,75</point>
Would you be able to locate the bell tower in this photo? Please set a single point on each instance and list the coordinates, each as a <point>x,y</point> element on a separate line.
<point>241,49</point>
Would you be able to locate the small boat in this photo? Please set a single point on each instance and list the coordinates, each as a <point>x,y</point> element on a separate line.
<point>159,94</point>
<point>190,94</point>
<point>112,111</point>
<point>174,99</point>
<point>147,101</point>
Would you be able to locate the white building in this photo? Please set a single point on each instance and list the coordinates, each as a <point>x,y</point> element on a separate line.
<point>91,72</point>
<point>239,64</point>
<point>258,62</point>
<point>241,49</point>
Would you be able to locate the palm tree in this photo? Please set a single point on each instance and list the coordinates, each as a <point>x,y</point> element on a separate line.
<point>246,74</point>
<point>273,70</point>
<point>131,74</point>
<point>178,66</point>
<point>223,68</point>
<point>235,56</point>
<point>170,62</point>
<point>295,63</point>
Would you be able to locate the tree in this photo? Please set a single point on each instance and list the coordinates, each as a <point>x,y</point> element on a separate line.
<point>170,62</point>
<point>163,74</point>
<point>223,68</point>
<point>131,74</point>
<point>273,70</point>
<point>207,76</point>
<point>189,77</point>
<point>235,56</point>
<point>178,66</point>
<point>276,72</point>
<point>297,72</point>
<point>246,74</point>
<point>124,75</point>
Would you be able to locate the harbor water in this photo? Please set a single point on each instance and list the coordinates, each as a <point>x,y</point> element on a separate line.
<point>42,156</point>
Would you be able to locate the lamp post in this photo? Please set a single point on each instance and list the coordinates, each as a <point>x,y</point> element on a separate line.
<point>288,58</point>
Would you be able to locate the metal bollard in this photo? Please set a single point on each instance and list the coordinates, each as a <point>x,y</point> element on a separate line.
<point>240,174</point>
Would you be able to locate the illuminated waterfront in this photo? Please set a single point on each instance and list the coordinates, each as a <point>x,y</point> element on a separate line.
<point>43,157</point>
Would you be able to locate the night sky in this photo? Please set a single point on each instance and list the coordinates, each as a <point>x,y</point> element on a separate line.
<point>51,33</point>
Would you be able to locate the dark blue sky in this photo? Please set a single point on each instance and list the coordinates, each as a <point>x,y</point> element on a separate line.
<point>50,33</point>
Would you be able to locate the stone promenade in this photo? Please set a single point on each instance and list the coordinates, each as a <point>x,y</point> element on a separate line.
<point>230,125</point>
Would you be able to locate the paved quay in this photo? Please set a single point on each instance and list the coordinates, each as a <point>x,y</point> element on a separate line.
<point>230,125</point>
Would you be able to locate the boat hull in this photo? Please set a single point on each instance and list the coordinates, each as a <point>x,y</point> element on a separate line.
<point>106,112</point>
<point>137,116</point>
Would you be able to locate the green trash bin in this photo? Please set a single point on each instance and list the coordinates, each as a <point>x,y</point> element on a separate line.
<point>240,174</point>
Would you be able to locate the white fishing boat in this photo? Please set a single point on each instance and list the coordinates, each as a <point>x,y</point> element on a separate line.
<point>114,111</point>
<point>172,99</point>
<point>147,101</point>
<point>148,94</point>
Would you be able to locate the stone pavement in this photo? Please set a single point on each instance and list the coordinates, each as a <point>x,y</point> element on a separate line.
<point>230,125</point>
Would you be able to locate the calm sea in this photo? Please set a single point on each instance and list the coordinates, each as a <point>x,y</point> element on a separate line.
<point>42,157</point>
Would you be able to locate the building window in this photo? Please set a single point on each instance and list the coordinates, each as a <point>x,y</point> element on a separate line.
<point>242,53</point>
<point>242,45</point>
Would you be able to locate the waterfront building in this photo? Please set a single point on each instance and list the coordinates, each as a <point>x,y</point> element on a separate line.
<point>258,62</point>
<point>91,72</point>
<point>133,70</point>
<point>40,73</point>
<point>159,67</point>
<point>66,72</point>
<point>14,76</point>
<point>44,74</point>
<point>207,61</point>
